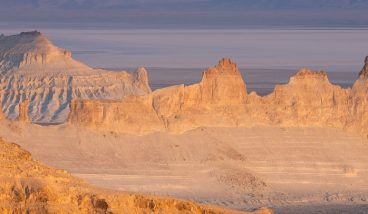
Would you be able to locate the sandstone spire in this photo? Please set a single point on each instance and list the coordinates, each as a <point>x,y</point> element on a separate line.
<point>223,84</point>
<point>364,73</point>
<point>141,79</point>
<point>23,111</point>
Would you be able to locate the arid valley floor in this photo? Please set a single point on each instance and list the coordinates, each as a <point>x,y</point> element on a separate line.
<point>292,170</point>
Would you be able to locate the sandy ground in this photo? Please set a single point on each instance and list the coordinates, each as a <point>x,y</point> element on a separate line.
<point>311,169</point>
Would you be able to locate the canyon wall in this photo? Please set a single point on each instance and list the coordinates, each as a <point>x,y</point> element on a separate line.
<point>221,99</point>
<point>32,68</point>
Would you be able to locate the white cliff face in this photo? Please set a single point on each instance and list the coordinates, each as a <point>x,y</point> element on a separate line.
<point>32,68</point>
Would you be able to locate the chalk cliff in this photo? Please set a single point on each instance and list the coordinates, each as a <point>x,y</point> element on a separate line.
<point>32,68</point>
<point>221,99</point>
<point>27,186</point>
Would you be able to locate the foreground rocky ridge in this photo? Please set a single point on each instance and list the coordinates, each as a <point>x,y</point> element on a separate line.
<point>221,100</point>
<point>27,186</point>
<point>32,68</point>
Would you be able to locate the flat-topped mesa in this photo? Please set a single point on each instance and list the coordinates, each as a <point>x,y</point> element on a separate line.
<point>308,74</point>
<point>223,84</point>
<point>364,72</point>
<point>31,49</point>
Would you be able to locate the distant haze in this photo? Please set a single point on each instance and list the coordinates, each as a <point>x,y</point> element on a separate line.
<point>186,13</point>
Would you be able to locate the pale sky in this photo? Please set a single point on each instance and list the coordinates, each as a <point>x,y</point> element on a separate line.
<point>186,13</point>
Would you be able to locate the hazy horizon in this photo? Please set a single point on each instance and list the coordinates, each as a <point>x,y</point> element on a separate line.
<point>339,50</point>
<point>199,14</point>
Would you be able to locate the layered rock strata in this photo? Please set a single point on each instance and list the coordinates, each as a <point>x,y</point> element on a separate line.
<point>32,68</point>
<point>221,99</point>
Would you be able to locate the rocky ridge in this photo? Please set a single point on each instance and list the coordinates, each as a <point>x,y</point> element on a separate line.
<point>221,99</point>
<point>32,68</point>
<point>50,80</point>
<point>27,186</point>
<point>215,100</point>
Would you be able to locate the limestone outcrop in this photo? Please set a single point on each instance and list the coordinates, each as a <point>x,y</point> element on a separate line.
<point>27,186</point>
<point>221,99</point>
<point>32,68</point>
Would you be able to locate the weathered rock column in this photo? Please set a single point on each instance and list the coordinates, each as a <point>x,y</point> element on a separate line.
<point>23,111</point>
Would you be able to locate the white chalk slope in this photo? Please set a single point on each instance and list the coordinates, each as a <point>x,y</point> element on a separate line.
<point>32,68</point>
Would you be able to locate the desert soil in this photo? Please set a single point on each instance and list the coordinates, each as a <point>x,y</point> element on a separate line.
<point>317,170</point>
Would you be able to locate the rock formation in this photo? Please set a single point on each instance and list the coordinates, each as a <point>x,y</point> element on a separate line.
<point>2,115</point>
<point>309,99</point>
<point>216,100</point>
<point>27,186</point>
<point>23,111</point>
<point>220,99</point>
<point>358,104</point>
<point>32,68</point>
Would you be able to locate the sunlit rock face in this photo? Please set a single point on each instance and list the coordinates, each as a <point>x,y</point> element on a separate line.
<point>215,101</point>
<point>358,103</point>
<point>222,85</point>
<point>309,99</point>
<point>32,68</point>
<point>221,99</point>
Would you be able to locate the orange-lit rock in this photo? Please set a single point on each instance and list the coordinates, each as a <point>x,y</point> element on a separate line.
<point>221,100</point>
